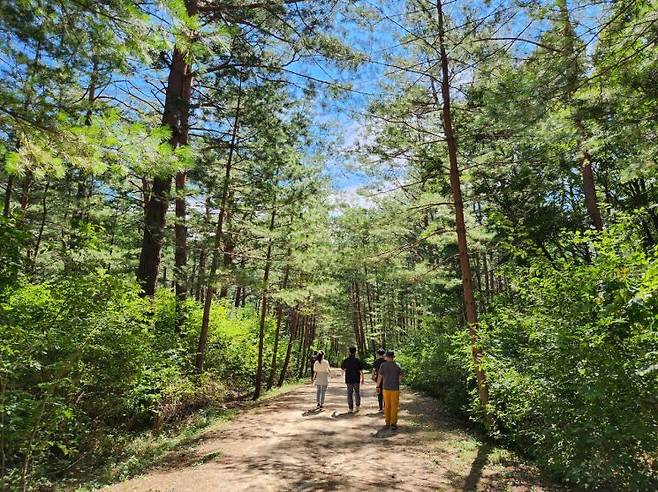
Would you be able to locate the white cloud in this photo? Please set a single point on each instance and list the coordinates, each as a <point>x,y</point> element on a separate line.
<point>352,196</point>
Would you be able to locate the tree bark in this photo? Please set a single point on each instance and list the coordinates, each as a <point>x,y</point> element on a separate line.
<point>309,344</point>
<point>455,185</point>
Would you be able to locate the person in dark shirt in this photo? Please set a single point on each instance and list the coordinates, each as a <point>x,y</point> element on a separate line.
<point>353,369</point>
<point>375,368</point>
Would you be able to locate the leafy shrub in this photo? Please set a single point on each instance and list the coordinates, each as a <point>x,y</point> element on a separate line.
<point>71,349</point>
<point>83,357</point>
<point>431,363</point>
<point>572,364</point>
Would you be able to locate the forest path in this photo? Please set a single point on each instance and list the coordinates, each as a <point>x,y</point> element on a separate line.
<point>285,444</point>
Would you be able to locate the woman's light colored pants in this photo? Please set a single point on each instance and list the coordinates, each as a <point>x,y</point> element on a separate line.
<point>321,391</point>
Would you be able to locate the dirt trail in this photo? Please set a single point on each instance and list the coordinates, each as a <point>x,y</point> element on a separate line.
<point>284,444</point>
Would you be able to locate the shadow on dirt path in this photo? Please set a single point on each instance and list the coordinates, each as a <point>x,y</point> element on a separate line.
<point>287,444</point>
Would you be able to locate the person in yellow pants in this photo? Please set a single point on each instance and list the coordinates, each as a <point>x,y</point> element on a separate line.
<point>391,405</point>
<point>388,379</point>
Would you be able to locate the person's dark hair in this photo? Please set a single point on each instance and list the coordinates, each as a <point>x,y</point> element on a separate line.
<point>320,356</point>
<point>352,350</point>
<point>391,354</point>
<point>381,351</point>
<point>315,352</point>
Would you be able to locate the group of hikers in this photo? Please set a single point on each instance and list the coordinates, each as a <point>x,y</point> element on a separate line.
<point>386,373</point>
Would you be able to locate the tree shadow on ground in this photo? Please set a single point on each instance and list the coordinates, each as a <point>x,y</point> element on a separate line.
<point>480,461</point>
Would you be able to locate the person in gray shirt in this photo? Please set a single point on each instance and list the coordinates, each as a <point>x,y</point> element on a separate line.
<point>388,381</point>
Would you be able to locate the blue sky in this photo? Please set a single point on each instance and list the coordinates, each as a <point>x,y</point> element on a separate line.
<point>345,115</point>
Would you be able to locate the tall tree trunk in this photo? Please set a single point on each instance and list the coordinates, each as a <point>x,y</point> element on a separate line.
<point>455,185</point>
<point>216,252</point>
<point>572,78</point>
<point>201,276</point>
<point>587,174</point>
<point>6,211</point>
<point>176,117</point>
<point>355,318</point>
<point>84,191</point>
<point>362,334</point>
<point>309,343</point>
<point>180,250</point>
<point>294,317</point>
<point>26,188</point>
<point>302,345</point>
<point>229,248</point>
<point>44,214</point>
<point>27,180</point>
<point>263,310</point>
<point>279,316</point>
<point>193,273</point>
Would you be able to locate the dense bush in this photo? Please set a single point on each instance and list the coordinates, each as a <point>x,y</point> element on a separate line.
<point>432,362</point>
<point>571,358</point>
<point>83,357</point>
<point>572,363</point>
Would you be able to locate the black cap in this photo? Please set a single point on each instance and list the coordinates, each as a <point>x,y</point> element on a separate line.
<point>390,353</point>
<point>381,351</point>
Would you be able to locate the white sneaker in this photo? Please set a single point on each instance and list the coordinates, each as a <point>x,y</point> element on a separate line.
<point>357,409</point>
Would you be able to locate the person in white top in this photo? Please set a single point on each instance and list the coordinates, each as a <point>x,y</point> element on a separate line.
<point>322,372</point>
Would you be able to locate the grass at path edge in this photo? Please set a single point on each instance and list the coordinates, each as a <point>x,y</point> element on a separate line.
<point>145,450</point>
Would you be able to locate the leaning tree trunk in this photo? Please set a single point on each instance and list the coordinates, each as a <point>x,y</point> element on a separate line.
<point>263,311</point>
<point>216,252</point>
<point>279,316</point>
<point>455,185</point>
<point>291,338</point>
